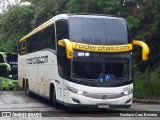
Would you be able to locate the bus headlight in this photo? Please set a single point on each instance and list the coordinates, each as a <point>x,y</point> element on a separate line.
<point>76,91</point>
<point>10,82</point>
<point>10,76</point>
<point>128,92</point>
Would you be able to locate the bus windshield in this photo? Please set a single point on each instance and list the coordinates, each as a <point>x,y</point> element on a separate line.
<point>102,71</point>
<point>98,31</point>
<point>12,61</point>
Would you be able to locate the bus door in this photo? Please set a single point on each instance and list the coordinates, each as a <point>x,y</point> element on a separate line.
<point>59,83</point>
<point>63,76</point>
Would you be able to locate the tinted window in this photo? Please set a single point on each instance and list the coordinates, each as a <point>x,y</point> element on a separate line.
<point>42,40</point>
<point>62,29</point>
<point>12,58</point>
<point>98,72</point>
<point>63,62</point>
<point>62,33</point>
<point>32,43</point>
<point>47,38</point>
<point>12,61</point>
<point>98,30</point>
<point>64,66</point>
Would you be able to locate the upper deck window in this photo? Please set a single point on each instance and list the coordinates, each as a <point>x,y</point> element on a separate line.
<point>102,31</point>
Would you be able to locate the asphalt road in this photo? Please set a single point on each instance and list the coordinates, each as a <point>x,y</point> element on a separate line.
<point>19,105</point>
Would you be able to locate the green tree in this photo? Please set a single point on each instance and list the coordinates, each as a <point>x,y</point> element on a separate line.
<point>13,25</point>
<point>144,22</point>
<point>95,6</point>
<point>43,11</point>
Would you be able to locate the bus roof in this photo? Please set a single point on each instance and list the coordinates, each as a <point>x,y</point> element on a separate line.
<point>66,16</point>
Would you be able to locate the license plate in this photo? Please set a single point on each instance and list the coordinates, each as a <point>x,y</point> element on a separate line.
<point>103,106</point>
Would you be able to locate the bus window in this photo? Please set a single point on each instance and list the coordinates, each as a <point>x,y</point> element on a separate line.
<point>62,29</point>
<point>31,43</point>
<point>99,31</point>
<point>62,33</point>
<point>47,38</point>
<point>42,40</point>
<point>3,71</point>
<point>3,68</point>
<point>12,61</point>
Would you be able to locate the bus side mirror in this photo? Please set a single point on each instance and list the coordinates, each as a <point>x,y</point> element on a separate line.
<point>145,48</point>
<point>69,48</point>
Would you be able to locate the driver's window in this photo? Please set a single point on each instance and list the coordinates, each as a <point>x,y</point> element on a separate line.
<point>61,33</point>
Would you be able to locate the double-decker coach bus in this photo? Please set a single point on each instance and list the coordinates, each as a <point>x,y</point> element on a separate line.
<point>79,60</point>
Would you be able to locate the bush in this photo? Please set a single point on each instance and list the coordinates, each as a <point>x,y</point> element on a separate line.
<point>147,84</point>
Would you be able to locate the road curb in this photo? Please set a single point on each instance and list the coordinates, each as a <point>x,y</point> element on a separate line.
<point>146,101</point>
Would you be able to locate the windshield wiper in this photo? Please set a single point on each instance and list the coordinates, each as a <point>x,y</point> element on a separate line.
<point>122,78</point>
<point>78,79</point>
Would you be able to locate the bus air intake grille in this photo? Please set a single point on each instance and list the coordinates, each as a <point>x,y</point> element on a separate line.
<point>103,96</point>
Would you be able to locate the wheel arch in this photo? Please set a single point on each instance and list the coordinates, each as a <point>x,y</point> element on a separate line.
<point>52,88</point>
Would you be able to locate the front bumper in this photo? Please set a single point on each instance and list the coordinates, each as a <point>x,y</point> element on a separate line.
<point>81,101</point>
<point>95,106</point>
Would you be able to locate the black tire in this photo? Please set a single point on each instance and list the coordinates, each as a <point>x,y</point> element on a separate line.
<point>11,88</point>
<point>26,90</point>
<point>55,103</point>
<point>128,107</point>
<point>23,85</point>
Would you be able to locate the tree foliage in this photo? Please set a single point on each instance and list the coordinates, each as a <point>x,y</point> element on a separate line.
<point>13,25</point>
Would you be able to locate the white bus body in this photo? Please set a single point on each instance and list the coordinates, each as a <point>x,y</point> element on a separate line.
<point>38,73</point>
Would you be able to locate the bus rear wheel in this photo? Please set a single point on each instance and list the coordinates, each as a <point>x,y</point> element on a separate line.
<point>26,90</point>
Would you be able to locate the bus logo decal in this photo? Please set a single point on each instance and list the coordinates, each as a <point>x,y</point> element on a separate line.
<point>38,60</point>
<point>93,48</point>
<point>102,48</point>
<point>104,97</point>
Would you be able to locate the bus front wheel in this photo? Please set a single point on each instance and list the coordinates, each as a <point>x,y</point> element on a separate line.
<point>55,103</point>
